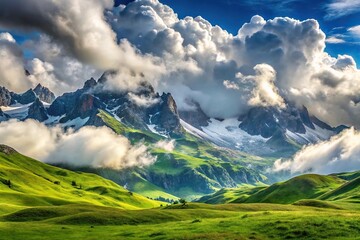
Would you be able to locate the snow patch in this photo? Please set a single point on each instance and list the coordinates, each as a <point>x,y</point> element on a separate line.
<point>311,135</point>
<point>19,111</point>
<point>227,133</point>
<point>76,123</point>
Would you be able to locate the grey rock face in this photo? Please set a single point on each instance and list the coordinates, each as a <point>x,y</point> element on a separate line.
<point>166,116</point>
<point>37,111</point>
<point>85,106</point>
<point>28,97</point>
<point>6,149</point>
<point>44,94</point>
<point>3,116</point>
<point>196,117</point>
<point>5,97</point>
<point>266,121</point>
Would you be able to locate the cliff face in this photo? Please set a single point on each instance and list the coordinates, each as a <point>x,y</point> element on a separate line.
<point>37,111</point>
<point>5,97</point>
<point>44,94</point>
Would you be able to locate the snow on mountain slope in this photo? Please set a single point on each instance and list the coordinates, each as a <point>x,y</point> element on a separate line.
<point>19,111</point>
<point>227,133</point>
<point>311,135</point>
<point>76,123</point>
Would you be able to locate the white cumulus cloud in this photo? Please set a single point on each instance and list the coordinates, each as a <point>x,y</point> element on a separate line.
<point>87,147</point>
<point>339,154</point>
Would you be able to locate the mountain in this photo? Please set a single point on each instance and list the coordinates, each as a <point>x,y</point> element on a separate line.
<point>263,131</point>
<point>37,111</point>
<point>3,116</point>
<point>25,182</point>
<point>157,114</point>
<point>195,167</point>
<point>8,98</point>
<point>309,186</point>
<point>44,94</point>
<point>5,97</point>
<point>209,154</point>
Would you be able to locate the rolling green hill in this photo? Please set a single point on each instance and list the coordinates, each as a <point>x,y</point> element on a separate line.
<point>350,191</point>
<point>309,186</point>
<point>25,182</point>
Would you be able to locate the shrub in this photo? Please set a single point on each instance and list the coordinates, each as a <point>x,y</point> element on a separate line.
<point>183,201</point>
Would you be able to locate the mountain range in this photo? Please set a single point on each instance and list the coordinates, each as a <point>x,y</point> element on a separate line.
<point>209,153</point>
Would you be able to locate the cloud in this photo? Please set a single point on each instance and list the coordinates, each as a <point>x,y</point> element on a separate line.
<point>7,37</point>
<point>168,146</point>
<point>24,137</point>
<point>78,25</point>
<point>248,29</point>
<point>265,92</point>
<point>12,72</point>
<point>88,147</point>
<point>339,154</point>
<point>77,41</point>
<point>339,8</point>
<point>334,40</point>
<point>231,85</point>
<point>66,72</point>
<point>142,100</point>
<point>355,31</point>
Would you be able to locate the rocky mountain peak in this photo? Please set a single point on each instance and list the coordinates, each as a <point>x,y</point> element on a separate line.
<point>5,97</point>
<point>27,97</point>
<point>165,115</point>
<point>44,94</point>
<point>266,121</point>
<point>86,106</point>
<point>169,103</point>
<point>37,111</point>
<point>195,116</point>
<point>91,83</point>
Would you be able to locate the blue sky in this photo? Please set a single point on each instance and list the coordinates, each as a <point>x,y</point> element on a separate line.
<point>334,16</point>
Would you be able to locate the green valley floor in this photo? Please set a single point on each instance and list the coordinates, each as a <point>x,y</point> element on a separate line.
<point>192,221</point>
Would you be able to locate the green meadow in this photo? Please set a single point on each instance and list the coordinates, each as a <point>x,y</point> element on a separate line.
<point>38,201</point>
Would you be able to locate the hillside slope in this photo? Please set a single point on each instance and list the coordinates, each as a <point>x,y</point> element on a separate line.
<point>309,186</point>
<point>26,182</point>
<point>350,191</point>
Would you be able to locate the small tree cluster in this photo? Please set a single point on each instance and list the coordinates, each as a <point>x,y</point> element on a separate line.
<point>182,201</point>
<point>7,183</point>
<point>74,184</point>
<point>162,199</point>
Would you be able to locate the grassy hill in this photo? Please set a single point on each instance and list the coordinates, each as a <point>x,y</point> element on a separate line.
<point>309,186</point>
<point>350,191</point>
<point>25,182</point>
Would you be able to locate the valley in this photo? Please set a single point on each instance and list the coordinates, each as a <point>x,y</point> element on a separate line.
<point>41,201</point>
